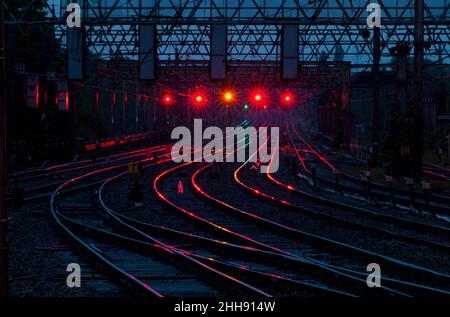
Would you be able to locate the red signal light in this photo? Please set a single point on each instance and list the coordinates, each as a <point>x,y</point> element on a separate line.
<point>259,96</point>
<point>167,99</point>
<point>199,98</point>
<point>287,98</point>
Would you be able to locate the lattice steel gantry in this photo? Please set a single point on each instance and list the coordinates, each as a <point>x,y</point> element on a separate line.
<point>253,27</point>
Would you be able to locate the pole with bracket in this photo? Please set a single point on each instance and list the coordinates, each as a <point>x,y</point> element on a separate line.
<point>410,182</point>
<point>418,92</point>
<point>3,168</point>
<point>338,187</point>
<point>375,94</point>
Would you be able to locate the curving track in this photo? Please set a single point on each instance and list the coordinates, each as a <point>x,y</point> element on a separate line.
<point>285,219</point>
<point>240,232</point>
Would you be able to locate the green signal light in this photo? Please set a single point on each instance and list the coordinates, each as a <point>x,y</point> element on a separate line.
<point>246,106</point>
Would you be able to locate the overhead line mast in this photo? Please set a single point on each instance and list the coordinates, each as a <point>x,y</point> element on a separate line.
<point>3,163</point>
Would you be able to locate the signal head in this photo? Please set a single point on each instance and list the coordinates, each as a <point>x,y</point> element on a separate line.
<point>167,99</point>
<point>287,99</point>
<point>259,96</point>
<point>199,98</point>
<point>227,95</point>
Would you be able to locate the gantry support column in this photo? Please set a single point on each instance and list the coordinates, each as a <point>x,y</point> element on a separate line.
<point>376,93</point>
<point>418,147</point>
<point>3,163</point>
<point>401,53</point>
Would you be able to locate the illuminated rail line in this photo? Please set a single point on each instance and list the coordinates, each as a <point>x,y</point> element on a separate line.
<point>198,260</point>
<point>380,191</point>
<point>34,190</point>
<point>248,261</point>
<point>82,228</point>
<point>243,234</point>
<point>225,260</point>
<point>345,247</point>
<point>195,215</point>
<point>386,220</point>
<point>53,170</point>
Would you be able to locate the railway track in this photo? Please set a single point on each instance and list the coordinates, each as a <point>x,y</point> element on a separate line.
<point>376,219</point>
<point>224,224</point>
<point>291,231</point>
<point>438,203</point>
<point>38,184</point>
<point>82,225</point>
<point>412,218</point>
<point>351,259</point>
<point>202,243</point>
<point>131,262</point>
<point>253,265</point>
<point>164,185</point>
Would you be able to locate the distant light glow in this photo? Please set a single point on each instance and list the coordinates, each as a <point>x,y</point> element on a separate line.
<point>167,99</point>
<point>287,99</point>
<point>199,98</point>
<point>227,95</point>
<point>67,101</point>
<point>37,95</point>
<point>259,97</point>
